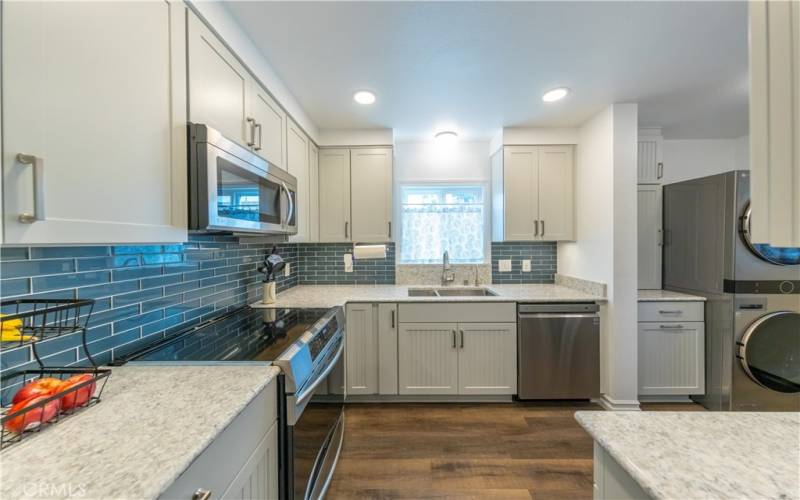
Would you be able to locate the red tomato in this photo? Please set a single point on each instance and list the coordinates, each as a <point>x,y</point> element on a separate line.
<point>40,387</point>
<point>79,397</point>
<point>33,418</point>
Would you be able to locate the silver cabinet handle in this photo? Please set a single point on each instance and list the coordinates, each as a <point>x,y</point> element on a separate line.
<point>201,494</point>
<point>671,327</point>
<point>542,227</point>
<point>660,238</point>
<point>258,126</point>
<point>38,188</point>
<point>390,229</point>
<point>392,318</point>
<point>536,227</point>
<point>659,170</point>
<point>462,338</point>
<point>454,339</point>
<point>670,311</point>
<point>252,122</point>
<point>346,229</point>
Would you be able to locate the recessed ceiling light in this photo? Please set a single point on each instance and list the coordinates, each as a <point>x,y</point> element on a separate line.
<point>364,97</point>
<point>446,137</point>
<point>555,94</point>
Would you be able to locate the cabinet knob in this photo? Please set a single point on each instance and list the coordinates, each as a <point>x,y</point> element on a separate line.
<point>201,494</point>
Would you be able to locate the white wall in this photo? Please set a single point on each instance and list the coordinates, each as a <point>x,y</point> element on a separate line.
<point>605,249</point>
<point>428,161</point>
<point>217,15</point>
<point>510,136</point>
<point>690,159</point>
<point>360,137</point>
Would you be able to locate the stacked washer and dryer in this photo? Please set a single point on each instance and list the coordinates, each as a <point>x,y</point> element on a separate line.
<point>752,292</point>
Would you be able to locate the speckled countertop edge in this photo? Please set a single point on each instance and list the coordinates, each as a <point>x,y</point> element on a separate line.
<point>140,438</point>
<point>662,479</point>
<point>339,295</point>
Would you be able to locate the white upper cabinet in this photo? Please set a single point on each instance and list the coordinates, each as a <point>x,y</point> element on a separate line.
<point>334,195</point>
<point>313,192</point>
<point>225,96</point>
<point>775,122</point>
<point>94,122</point>
<point>371,189</point>
<point>650,236</point>
<point>536,202</point>
<point>649,159</point>
<point>218,85</point>
<point>298,148</point>
<point>270,126</point>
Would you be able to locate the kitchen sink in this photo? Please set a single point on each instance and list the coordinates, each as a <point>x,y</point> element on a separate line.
<point>450,292</point>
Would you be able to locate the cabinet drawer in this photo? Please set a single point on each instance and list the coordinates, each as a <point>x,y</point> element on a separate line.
<point>220,463</point>
<point>671,311</point>
<point>450,312</point>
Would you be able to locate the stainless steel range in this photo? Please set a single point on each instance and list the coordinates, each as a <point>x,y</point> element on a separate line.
<point>308,346</point>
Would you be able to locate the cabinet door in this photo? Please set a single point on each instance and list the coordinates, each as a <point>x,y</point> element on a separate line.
<point>649,161</point>
<point>521,187</point>
<point>259,476</point>
<point>671,358</point>
<point>97,92</point>
<point>297,161</point>
<point>387,348</point>
<point>556,206</point>
<point>271,126</point>
<point>218,85</point>
<point>371,200</point>
<point>313,192</point>
<point>361,349</point>
<point>428,358</point>
<point>487,358</point>
<point>650,236</point>
<point>334,195</point>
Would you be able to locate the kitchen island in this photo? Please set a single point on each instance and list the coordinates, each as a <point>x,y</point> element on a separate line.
<point>152,424</point>
<point>725,455</point>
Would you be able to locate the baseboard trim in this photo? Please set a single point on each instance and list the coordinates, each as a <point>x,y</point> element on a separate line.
<point>618,405</point>
<point>377,398</point>
<point>665,399</point>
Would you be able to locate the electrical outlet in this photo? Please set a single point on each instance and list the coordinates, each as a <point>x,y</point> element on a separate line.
<point>287,270</point>
<point>348,262</point>
<point>526,266</point>
<point>505,265</point>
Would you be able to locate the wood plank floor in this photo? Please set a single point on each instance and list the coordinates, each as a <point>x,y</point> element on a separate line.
<point>467,451</point>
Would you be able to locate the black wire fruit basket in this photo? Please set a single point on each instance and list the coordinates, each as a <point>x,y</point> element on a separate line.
<point>35,398</point>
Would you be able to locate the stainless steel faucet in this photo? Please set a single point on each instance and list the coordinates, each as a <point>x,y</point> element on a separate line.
<point>448,276</point>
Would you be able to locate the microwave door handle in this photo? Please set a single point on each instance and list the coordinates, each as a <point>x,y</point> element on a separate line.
<point>291,203</point>
<point>282,189</point>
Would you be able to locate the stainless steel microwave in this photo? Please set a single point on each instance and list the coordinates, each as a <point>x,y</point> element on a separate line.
<point>233,189</point>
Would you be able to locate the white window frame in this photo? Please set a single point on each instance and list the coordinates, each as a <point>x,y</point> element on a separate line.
<point>487,216</point>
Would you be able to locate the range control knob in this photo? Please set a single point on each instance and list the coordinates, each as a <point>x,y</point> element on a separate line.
<point>786,287</point>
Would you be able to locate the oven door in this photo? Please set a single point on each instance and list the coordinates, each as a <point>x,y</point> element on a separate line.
<point>316,429</point>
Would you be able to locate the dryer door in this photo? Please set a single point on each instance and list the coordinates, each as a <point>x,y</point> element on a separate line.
<point>780,256</point>
<point>770,351</point>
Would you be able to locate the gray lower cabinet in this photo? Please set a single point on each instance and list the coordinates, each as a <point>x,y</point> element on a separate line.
<point>428,358</point>
<point>371,349</point>
<point>611,481</point>
<point>242,462</point>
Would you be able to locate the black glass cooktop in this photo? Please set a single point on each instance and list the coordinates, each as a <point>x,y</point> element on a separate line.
<point>246,334</point>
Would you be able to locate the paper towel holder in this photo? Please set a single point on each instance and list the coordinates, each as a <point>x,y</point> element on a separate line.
<point>369,251</point>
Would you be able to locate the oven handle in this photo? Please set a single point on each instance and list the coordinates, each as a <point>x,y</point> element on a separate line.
<point>309,391</point>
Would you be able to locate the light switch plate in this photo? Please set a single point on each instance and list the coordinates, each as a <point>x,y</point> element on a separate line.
<point>287,270</point>
<point>526,266</point>
<point>505,265</point>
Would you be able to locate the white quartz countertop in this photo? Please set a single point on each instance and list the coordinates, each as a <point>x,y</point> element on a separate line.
<point>725,455</point>
<point>151,424</point>
<point>667,296</point>
<point>338,295</point>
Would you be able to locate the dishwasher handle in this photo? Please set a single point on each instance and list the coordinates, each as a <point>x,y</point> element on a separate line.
<point>556,315</point>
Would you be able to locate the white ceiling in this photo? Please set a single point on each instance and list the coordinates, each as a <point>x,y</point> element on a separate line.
<point>480,66</point>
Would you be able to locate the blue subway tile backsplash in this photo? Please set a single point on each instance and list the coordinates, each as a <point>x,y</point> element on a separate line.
<point>141,292</point>
<point>542,255</point>
<point>323,264</point>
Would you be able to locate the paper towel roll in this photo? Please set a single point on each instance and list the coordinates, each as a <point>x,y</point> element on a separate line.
<point>369,252</point>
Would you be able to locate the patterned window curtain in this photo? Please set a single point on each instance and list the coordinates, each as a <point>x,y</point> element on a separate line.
<point>430,229</point>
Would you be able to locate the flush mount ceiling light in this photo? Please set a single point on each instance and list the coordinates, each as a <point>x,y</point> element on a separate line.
<point>446,137</point>
<point>364,97</point>
<point>555,94</point>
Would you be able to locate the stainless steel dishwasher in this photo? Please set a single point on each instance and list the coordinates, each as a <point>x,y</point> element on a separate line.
<point>559,351</point>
